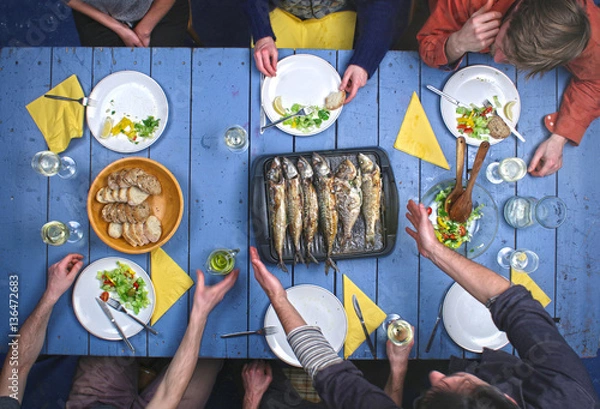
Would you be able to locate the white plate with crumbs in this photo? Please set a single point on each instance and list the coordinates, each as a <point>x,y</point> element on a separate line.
<point>128,94</point>
<point>318,307</point>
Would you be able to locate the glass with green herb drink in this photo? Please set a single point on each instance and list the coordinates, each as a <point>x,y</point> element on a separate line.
<point>221,261</point>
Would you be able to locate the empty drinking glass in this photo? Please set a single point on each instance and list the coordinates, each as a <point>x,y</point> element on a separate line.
<point>507,170</point>
<point>48,163</point>
<point>521,259</point>
<point>550,212</point>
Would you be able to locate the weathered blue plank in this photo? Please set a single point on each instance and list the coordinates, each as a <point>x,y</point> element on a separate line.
<point>398,274</point>
<point>219,185</point>
<point>24,76</point>
<point>68,202</point>
<point>172,69</point>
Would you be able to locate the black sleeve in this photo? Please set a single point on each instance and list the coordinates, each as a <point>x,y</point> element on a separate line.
<point>6,402</point>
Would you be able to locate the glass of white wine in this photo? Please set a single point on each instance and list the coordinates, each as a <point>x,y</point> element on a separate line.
<point>236,139</point>
<point>48,163</point>
<point>398,331</point>
<point>525,261</point>
<point>57,233</point>
<point>507,170</point>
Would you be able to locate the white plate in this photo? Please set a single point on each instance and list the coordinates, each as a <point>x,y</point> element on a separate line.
<point>318,307</point>
<point>473,85</point>
<point>89,313</point>
<point>469,323</point>
<point>301,79</point>
<point>127,93</point>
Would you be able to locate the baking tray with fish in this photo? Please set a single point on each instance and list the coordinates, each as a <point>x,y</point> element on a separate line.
<point>386,228</point>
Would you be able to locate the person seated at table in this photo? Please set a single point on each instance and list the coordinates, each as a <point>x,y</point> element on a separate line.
<point>378,22</point>
<point>119,23</point>
<point>111,382</point>
<point>546,374</point>
<point>536,36</point>
<point>339,383</point>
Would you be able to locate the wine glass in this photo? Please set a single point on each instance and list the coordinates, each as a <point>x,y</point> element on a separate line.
<point>57,233</point>
<point>236,139</point>
<point>522,260</point>
<point>398,330</point>
<point>550,212</point>
<point>507,170</point>
<point>48,163</point>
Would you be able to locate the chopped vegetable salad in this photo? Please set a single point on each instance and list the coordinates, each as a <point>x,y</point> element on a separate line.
<point>473,121</point>
<point>309,122</point>
<point>121,281</point>
<point>449,232</point>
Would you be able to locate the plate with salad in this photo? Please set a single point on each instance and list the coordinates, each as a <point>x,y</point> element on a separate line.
<point>471,238</point>
<point>129,113</point>
<point>122,280</point>
<point>302,80</point>
<point>473,85</point>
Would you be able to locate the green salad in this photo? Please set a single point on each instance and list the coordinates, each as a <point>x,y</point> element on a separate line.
<point>309,122</point>
<point>449,232</point>
<point>122,281</point>
<point>473,121</point>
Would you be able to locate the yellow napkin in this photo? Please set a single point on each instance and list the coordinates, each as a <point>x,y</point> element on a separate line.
<point>334,31</point>
<point>518,277</point>
<point>416,136</point>
<point>170,282</point>
<point>372,314</point>
<point>59,121</point>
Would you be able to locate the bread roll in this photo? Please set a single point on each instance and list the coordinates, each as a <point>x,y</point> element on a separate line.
<point>335,100</point>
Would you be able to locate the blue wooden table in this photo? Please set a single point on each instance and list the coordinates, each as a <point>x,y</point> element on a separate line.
<point>211,89</point>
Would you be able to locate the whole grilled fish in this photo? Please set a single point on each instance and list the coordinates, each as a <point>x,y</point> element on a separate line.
<point>348,196</point>
<point>294,206</point>
<point>371,190</point>
<point>310,207</point>
<point>328,216</point>
<point>277,209</point>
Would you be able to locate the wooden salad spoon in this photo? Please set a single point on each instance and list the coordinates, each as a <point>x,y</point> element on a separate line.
<point>461,209</point>
<point>458,187</point>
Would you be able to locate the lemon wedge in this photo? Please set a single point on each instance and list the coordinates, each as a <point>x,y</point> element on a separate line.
<point>278,106</point>
<point>106,127</point>
<point>508,113</point>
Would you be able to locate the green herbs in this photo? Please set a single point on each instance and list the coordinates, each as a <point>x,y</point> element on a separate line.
<point>146,128</point>
<point>449,232</point>
<point>121,281</point>
<point>309,122</point>
<point>136,130</point>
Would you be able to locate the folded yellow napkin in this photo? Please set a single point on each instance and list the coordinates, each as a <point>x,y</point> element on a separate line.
<point>334,31</point>
<point>170,282</point>
<point>372,314</point>
<point>59,121</point>
<point>416,136</point>
<point>518,277</point>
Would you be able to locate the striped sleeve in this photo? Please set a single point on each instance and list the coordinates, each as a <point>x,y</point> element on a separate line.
<point>312,349</point>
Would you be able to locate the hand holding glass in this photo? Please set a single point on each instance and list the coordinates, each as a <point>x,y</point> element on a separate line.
<point>398,330</point>
<point>507,170</point>
<point>221,261</point>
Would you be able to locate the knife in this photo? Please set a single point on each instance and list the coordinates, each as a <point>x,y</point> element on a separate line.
<point>110,317</point>
<point>437,320</point>
<point>363,325</point>
<point>447,97</point>
<point>263,119</point>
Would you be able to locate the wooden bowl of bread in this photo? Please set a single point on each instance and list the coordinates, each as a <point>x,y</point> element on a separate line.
<point>135,205</point>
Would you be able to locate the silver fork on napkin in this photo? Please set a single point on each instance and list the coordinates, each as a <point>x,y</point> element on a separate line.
<point>85,101</point>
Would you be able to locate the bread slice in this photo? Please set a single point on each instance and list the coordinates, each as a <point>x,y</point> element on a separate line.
<point>335,100</point>
<point>498,128</point>
<point>153,229</point>
<point>115,230</point>
<point>100,195</point>
<point>112,180</point>
<point>149,184</point>
<point>135,196</point>
<point>128,236</point>
<point>141,212</point>
<point>138,229</point>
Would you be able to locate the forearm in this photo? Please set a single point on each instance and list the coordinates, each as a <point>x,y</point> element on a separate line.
<point>251,401</point>
<point>394,388</point>
<point>479,281</point>
<point>28,344</point>
<point>155,14</point>
<point>181,368</point>
<point>96,14</point>
<point>288,315</point>
<point>453,50</point>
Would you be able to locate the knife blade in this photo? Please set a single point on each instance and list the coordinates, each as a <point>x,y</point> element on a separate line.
<point>110,317</point>
<point>263,119</point>
<point>358,312</point>
<point>449,98</point>
<point>437,320</point>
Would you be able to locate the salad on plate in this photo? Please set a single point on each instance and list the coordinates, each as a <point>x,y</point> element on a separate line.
<point>123,283</point>
<point>306,123</point>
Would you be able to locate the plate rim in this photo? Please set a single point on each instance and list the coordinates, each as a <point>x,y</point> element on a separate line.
<point>469,140</point>
<point>131,264</point>
<point>455,288</point>
<point>284,128</point>
<point>271,310</point>
<point>146,77</point>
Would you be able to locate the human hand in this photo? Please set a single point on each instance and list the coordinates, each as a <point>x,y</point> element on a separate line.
<point>62,274</point>
<point>354,78</point>
<point>269,283</point>
<point>257,377</point>
<point>477,33</point>
<point>398,355</point>
<point>265,55</point>
<point>207,297</point>
<point>548,157</point>
<point>143,32</point>
<point>129,37</point>
<point>424,234</point>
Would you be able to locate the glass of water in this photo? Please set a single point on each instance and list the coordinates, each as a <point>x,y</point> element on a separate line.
<point>522,260</point>
<point>507,170</point>
<point>520,212</point>
<point>398,330</point>
<point>48,163</point>
<point>57,233</point>
<point>236,139</point>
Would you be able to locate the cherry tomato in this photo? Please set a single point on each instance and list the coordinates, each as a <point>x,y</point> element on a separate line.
<point>136,285</point>
<point>429,210</point>
<point>104,296</point>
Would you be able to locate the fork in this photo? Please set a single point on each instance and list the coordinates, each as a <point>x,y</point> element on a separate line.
<point>488,104</point>
<point>85,101</point>
<point>269,330</point>
<point>117,306</point>
<point>303,112</point>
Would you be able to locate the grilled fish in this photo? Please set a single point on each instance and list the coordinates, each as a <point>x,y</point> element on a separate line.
<point>310,207</point>
<point>294,206</point>
<point>348,196</point>
<point>328,216</point>
<point>371,190</point>
<point>277,209</point>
